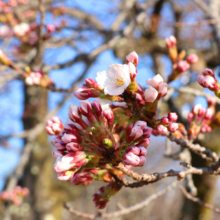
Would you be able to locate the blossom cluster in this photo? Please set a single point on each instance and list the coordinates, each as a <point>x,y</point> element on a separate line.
<point>14,196</point>
<point>27,33</point>
<point>166,124</point>
<point>179,64</point>
<point>100,135</point>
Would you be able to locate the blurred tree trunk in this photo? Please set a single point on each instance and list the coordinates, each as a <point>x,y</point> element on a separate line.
<point>46,192</point>
<point>206,186</point>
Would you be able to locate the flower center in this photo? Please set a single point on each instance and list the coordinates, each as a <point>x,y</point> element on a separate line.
<point>117,81</point>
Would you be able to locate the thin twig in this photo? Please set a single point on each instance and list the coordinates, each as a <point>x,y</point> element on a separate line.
<point>198,201</point>
<point>125,210</point>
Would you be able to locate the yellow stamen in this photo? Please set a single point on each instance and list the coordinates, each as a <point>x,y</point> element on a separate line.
<point>117,81</point>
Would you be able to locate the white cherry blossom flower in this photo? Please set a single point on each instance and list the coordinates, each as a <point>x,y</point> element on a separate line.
<point>21,29</point>
<point>105,104</point>
<point>115,80</point>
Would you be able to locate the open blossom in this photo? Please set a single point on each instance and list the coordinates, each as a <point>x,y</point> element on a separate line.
<point>115,80</point>
<point>34,78</point>
<point>5,31</point>
<point>21,29</point>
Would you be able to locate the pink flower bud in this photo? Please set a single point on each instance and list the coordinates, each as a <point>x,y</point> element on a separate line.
<point>51,28</point>
<point>196,109</point>
<point>91,83</point>
<point>210,83</point>
<point>56,119</point>
<point>211,101</point>
<point>127,166</point>
<point>133,58</point>
<point>85,107</point>
<point>182,66</point>
<point>190,117</point>
<point>155,81</point>
<point>140,89</point>
<point>54,126</point>
<point>69,161</point>
<point>146,132</point>
<point>192,58</point>
<point>171,41</point>
<point>131,159</point>
<point>172,116</point>
<point>132,70</point>
<point>4,195</point>
<point>58,153</point>
<point>135,133</point>
<point>165,120</point>
<point>49,130</point>
<point>143,151</point>
<point>142,161</point>
<point>200,79</point>
<point>162,130</point>
<point>109,114</point>
<point>133,149</point>
<point>201,112</point>
<point>209,114</point>
<point>84,93</point>
<point>141,124</point>
<point>67,138</point>
<point>163,89</point>
<point>205,128</point>
<point>74,147</point>
<point>25,191</point>
<point>208,72</point>
<point>60,146</point>
<point>150,94</point>
<point>83,178</point>
<point>145,142</point>
<point>173,127</point>
<point>65,176</point>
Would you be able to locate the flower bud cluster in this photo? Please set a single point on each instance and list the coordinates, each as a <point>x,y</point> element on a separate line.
<point>54,126</point>
<point>157,89</point>
<point>166,124</point>
<point>27,33</point>
<point>208,80</point>
<point>111,130</point>
<point>103,196</point>
<point>88,147</point>
<point>179,64</point>
<point>138,136</point>
<point>14,196</point>
<point>199,120</point>
<point>39,79</point>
